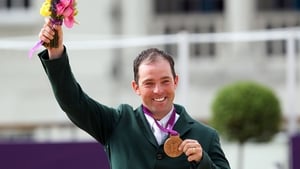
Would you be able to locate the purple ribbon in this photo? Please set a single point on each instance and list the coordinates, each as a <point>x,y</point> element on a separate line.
<point>56,21</point>
<point>40,43</point>
<point>170,123</point>
<point>35,48</point>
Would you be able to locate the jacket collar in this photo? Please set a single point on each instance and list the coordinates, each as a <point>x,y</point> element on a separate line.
<point>184,123</point>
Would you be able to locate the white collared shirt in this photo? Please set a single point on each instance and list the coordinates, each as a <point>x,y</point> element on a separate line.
<point>158,133</point>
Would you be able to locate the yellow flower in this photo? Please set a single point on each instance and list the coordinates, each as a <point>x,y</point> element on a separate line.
<point>75,12</point>
<point>45,9</point>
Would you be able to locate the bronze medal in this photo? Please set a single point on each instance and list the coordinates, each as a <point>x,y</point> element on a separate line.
<point>171,146</point>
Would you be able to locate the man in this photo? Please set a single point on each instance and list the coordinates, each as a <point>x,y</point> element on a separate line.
<point>157,135</point>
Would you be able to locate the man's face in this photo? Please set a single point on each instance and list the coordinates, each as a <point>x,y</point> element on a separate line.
<point>156,86</point>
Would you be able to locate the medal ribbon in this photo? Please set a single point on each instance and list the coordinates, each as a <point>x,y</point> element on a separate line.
<point>170,124</point>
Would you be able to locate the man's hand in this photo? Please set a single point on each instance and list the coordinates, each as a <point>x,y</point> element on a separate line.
<point>47,34</point>
<point>192,149</point>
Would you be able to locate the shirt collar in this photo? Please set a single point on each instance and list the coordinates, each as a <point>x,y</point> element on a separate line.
<point>162,121</point>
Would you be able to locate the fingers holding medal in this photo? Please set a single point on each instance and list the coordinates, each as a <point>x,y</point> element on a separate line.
<point>192,149</point>
<point>174,147</point>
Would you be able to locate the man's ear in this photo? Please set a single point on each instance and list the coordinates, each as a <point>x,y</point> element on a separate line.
<point>176,79</point>
<point>135,87</point>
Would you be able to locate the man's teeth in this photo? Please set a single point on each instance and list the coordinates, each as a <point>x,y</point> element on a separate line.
<point>159,99</point>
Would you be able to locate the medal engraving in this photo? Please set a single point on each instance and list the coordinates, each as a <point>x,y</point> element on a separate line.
<point>171,146</point>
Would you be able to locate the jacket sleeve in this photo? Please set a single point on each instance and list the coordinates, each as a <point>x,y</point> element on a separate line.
<point>96,119</point>
<point>214,158</point>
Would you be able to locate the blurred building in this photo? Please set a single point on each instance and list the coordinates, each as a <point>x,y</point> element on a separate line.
<point>28,110</point>
<point>26,95</point>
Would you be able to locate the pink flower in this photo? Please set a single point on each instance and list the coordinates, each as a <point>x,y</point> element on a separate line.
<point>69,21</point>
<point>68,12</point>
<point>65,10</point>
<point>62,5</point>
<point>66,2</point>
<point>60,8</point>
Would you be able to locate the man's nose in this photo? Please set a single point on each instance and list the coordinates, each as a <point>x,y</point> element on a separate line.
<point>157,88</point>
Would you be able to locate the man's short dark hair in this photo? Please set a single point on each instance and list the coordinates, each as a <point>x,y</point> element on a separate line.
<point>151,55</point>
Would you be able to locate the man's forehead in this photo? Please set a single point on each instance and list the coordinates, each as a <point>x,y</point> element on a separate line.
<point>154,59</point>
<point>158,69</point>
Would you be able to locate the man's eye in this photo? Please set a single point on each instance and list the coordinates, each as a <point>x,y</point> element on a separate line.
<point>166,81</point>
<point>148,84</point>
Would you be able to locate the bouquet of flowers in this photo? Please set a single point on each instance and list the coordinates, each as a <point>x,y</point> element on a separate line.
<point>60,12</point>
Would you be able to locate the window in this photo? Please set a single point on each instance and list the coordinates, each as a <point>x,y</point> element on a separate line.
<point>278,5</point>
<point>192,10</point>
<point>188,6</point>
<point>19,12</point>
<point>289,11</point>
<point>14,4</point>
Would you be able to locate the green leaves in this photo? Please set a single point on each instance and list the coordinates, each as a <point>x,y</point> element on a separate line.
<point>246,110</point>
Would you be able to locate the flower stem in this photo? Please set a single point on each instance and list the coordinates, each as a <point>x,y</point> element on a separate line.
<point>54,41</point>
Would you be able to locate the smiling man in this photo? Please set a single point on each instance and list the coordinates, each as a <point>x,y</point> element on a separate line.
<point>155,81</point>
<point>156,135</point>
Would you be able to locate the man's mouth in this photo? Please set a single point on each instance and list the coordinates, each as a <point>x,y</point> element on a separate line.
<point>161,99</point>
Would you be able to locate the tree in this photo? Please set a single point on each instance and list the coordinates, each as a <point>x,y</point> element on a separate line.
<point>246,111</point>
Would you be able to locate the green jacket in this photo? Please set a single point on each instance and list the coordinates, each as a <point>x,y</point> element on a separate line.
<point>124,131</point>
